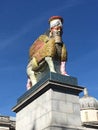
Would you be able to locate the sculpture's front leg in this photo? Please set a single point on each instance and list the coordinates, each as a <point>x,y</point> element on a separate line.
<point>63,68</point>
<point>50,63</point>
<point>31,73</point>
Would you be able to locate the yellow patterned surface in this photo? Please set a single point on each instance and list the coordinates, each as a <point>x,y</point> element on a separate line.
<point>43,47</point>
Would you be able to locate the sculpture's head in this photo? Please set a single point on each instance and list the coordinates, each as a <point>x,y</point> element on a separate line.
<point>56,23</point>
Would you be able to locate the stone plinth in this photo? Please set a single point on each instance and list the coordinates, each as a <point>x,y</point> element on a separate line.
<point>52,104</point>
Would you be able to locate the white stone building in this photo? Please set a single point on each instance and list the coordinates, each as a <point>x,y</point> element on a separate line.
<point>89,110</point>
<point>7,123</point>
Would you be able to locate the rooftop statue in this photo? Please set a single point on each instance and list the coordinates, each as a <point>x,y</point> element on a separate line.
<point>47,51</point>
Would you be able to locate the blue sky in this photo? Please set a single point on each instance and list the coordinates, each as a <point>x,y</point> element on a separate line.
<point>22,21</point>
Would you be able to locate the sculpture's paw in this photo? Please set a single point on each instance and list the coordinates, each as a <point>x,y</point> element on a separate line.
<point>64,73</point>
<point>53,71</point>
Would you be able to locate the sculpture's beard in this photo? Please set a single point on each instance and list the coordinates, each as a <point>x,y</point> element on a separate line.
<point>57,35</point>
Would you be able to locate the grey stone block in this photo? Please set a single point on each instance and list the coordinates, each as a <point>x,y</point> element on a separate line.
<point>51,106</point>
<point>61,106</point>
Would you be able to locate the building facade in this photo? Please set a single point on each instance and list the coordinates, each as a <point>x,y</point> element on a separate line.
<point>7,123</point>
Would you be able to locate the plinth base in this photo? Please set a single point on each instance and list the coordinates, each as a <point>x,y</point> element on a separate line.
<point>52,104</point>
